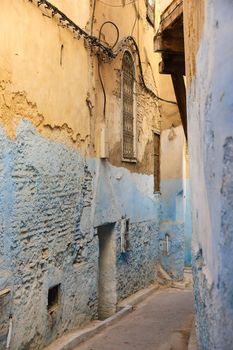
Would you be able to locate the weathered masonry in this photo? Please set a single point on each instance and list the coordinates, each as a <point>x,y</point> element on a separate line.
<point>203,29</point>
<point>176,220</point>
<point>80,138</point>
<point>208,47</point>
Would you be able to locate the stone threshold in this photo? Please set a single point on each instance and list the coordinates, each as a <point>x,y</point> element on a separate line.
<point>72,339</point>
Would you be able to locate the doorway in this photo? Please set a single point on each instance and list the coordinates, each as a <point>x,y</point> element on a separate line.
<point>107,272</point>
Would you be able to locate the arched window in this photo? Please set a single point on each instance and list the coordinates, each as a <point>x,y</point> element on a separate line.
<point>128,107</point>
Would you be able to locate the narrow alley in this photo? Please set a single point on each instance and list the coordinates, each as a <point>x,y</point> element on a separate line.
<point>162,320</point>
<point>116,174</point>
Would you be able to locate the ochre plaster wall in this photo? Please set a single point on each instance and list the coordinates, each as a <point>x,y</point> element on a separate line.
<point>147,107</point>
<point>163,4</point>
<point>39,80</point>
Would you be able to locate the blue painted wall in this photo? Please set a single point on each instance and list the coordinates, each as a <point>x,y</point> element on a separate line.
<point>122,194</point>
<point>52,199</point>
<point>46,192</point>
<point>172,223</point>
<point>210,128</point>
<point>176,221</point>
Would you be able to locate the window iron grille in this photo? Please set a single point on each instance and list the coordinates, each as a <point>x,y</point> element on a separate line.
<point>156,163</point>
<point>128,106</point>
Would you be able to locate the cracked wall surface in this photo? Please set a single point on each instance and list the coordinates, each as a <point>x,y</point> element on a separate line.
<point>55,191</point>
<point>46,194</point>
<point>210,145</point>
<point>140,261</point>
<point>51,197</point>
<point>46,74</point>
<point>15,106</point>
<point>147,111</point>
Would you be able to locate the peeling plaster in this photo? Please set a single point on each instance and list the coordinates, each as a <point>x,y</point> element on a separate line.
<point>211,157</point>
<point>15,106</point>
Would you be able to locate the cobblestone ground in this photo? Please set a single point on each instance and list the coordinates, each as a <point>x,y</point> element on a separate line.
<point>162,322</point>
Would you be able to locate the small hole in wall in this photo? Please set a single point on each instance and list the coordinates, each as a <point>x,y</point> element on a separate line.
<point>53,297</point>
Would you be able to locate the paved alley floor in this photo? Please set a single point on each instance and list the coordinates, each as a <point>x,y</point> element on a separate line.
<point>162,322</point>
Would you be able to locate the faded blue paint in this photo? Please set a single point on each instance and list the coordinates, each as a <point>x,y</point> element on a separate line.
<point>131,195</point>
<point>176,212</point>
<point>173,259</point>
<point>121,194</point>
<point>137,267</point>
<point>6,204</point>
<point>172,223</point>
<point>52,199</point>
<point>210,128</point>
<point>172,200</point>
<point>45,188</point>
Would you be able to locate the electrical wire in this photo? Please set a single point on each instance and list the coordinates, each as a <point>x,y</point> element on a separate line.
<point>65,21</point>
<point>99,70</point>
<point>103,88</point>
<point>117,31</point>
<point>104,53</point>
